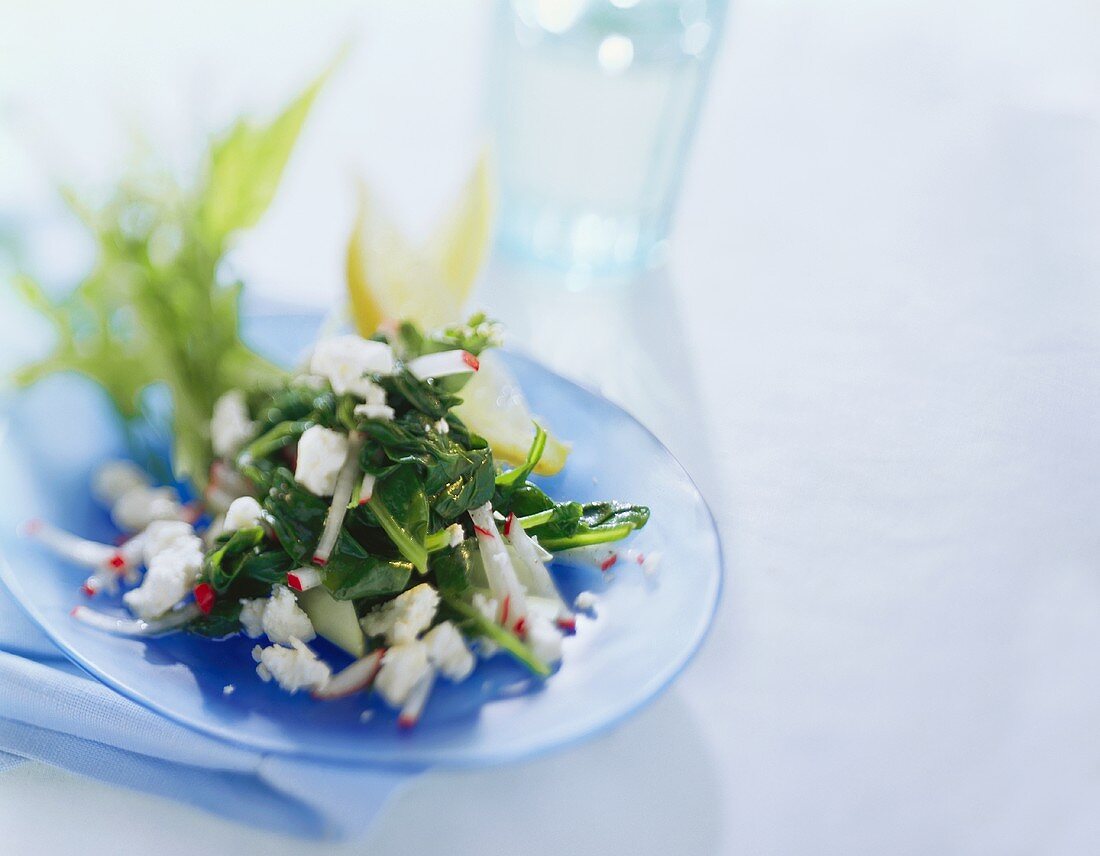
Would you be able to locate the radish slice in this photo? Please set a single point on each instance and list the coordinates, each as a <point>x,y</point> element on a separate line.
<point>341,496</point>
<point>418,697</point>
<point>443,364</point>
<point>358,676</point>
<point>366,489</point>
<point>303,579</point>
<point>501,575</point>
<point>134,626</point>
<point>90,554</point>
<point>527,552</point>
<point>205,596</point>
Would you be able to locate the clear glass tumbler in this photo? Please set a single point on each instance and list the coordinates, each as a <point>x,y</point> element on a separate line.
<point>594,103</point>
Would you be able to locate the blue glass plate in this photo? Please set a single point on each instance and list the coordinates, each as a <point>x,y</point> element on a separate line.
<point>644,632</point>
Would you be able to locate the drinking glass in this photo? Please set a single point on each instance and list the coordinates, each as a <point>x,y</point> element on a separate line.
<point>594,103</point>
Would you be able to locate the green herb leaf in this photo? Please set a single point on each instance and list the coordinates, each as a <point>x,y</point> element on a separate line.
<point>246,164</point>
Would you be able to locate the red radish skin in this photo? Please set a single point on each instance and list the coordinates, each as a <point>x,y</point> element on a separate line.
<point>303,579</point>
<point>484,533</point>
<point>470,360</point>
<point>521,627</point>
<point>117,561</point>
<point>568,624</point>
<point>504,610</point>
<point>88,590</point>
<point>356,677</point>
<point>609,562</point>
<point>508,524</point>
<point>205,597</point>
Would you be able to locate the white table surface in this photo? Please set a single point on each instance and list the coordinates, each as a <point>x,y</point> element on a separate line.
<point>879,351</point>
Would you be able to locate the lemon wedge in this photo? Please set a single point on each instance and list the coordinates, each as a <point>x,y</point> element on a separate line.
<point>388,279</point>
<point>493,405</point>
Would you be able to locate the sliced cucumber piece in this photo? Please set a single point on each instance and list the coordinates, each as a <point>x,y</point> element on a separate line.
<point>333,619</point>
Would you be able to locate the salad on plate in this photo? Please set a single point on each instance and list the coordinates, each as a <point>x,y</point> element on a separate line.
<point>349,501</point>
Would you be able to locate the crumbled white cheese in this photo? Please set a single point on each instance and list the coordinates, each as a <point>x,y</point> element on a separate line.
<point>321,454</point>
<point>168,580</point>
<point>294,668</point>
<point>284,620</point>
<point>366,716</point>
<point>252,616</point>
<point>243,513</point>
<point>455,535</point>
<point>228,689</point>
<point>488,607</point>
<point>230,426</point>
<point>375,411</point>
<point>115,478</point>
<point>413,613</point>
<point>402,667</point>
<point>441,427</point>
<point>346,360</point>
<point>161,535</point>
<point>140,506</point>
<point>544,639</point>
<point>585,601</point>
<point>447,651</point>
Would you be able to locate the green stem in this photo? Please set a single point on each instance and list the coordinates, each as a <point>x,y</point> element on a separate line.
<point>409,547</point>
<point>274,439</point>
<point>532,520</point>
<point>495,633</point>
<point>587,538</point>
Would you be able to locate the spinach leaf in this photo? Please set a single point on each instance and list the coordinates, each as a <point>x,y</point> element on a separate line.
<point>455,566</point>
<point>511,480</point>
<point>401,509</point>
<point>224,619</point>
<point>297,516</point>
<point>353,573</point>
<point>269,567</point>
<point>599,523</point>
<point>222,565</point>
<point>405,391</point>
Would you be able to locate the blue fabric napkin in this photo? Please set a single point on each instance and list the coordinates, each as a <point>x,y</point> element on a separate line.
<point>50,711</point>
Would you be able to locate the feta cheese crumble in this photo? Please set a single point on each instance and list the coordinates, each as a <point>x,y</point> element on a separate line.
<point>243,513</point>
<point>283,620</point>
<point>447,651</point>
<point>230,426</point>
<point>455,535</point>
<point>252,616</point>
<point>321,455</point>
<point>402,668</point>
<point>162,535</point>
<point>168,580</point>
<point>116,478</point>
<point>228,689</point>
<point>346,360</point>
<point>403,618</point>
<point>141,505</point>
<point>544,639</point>
<point>294,668</point>
<point>375,411</point>
<point>585,601</point>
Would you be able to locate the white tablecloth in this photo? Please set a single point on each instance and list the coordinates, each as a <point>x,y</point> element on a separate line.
<point>877,345</point>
